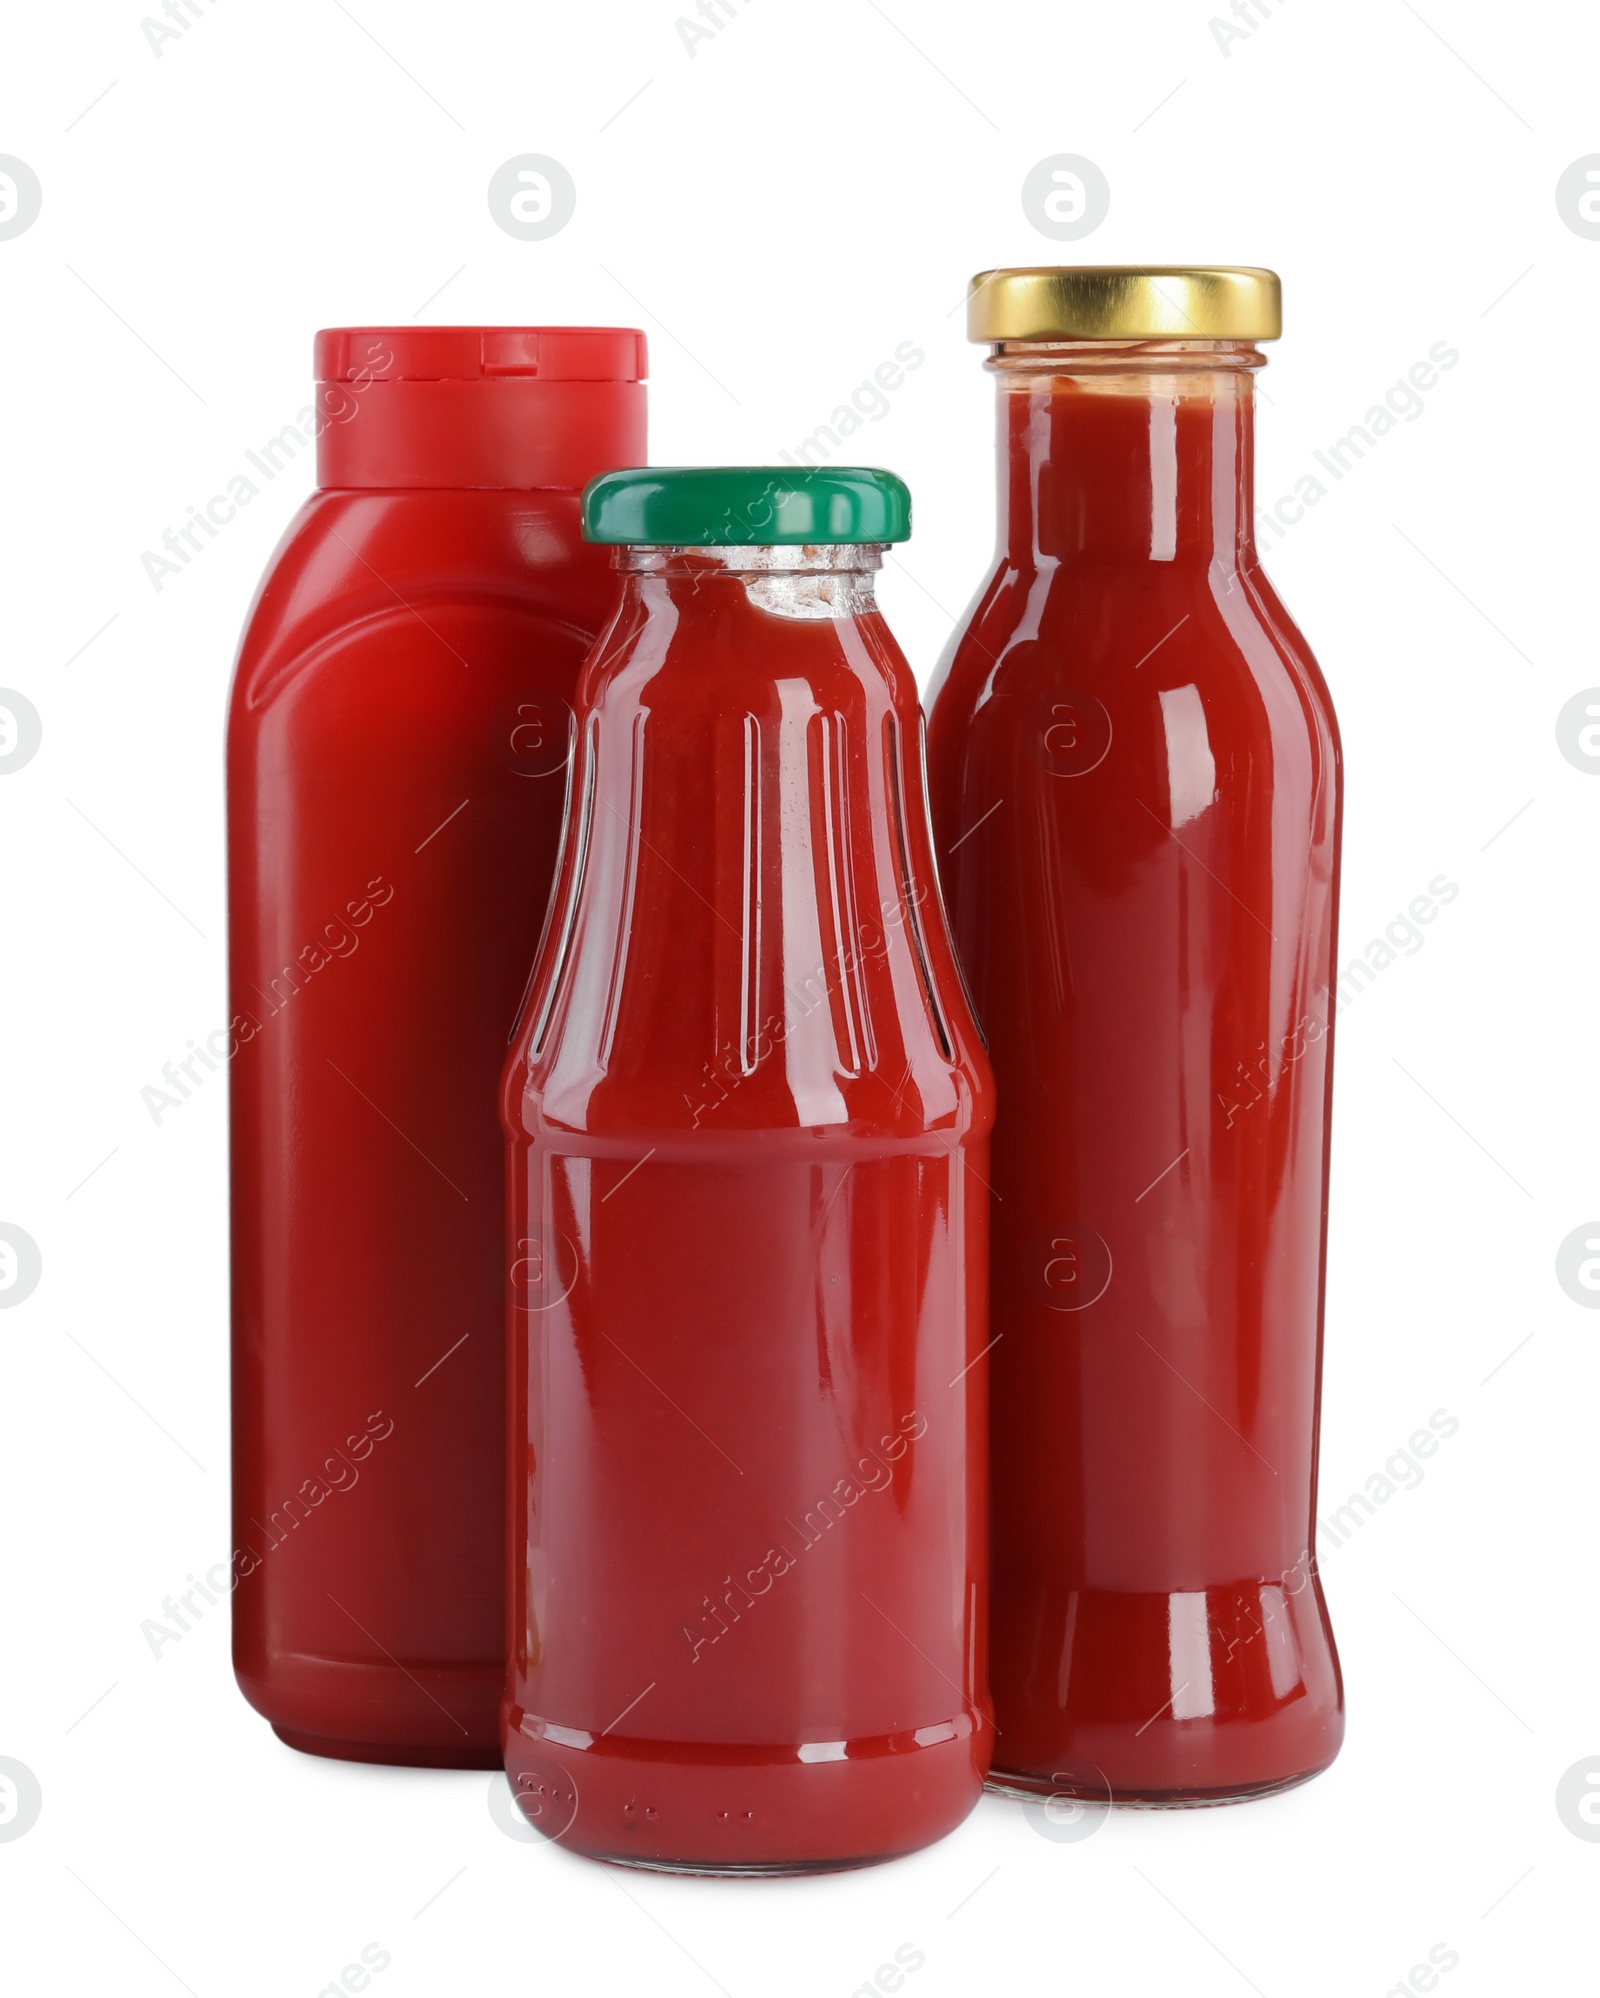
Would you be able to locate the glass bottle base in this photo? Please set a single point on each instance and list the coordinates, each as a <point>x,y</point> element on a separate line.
<point>1030,1790</point>
<point>1163,1700</point>
<point>780,1870</point>
<point>738,1810</point>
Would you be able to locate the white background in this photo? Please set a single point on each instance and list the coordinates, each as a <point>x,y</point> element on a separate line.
<point>780,210</point>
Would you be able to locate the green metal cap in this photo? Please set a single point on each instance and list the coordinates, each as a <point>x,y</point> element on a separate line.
<point>745,506</point>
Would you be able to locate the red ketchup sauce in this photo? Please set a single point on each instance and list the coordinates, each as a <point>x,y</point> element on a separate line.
<point>1135,782</point>
<point>747,1119</point>
<point>399,729</point>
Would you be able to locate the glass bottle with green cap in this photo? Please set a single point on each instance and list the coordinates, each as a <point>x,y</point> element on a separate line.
<point>1136,781</point>
<point>747,1116</point>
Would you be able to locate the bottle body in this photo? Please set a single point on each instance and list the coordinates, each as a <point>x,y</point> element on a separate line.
<point>398,736</point>
<point>746,1122</point>
<point>1134,771</point>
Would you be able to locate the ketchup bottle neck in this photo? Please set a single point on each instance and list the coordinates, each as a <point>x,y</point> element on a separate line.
<point>1108,462</point>
<point>813,585</point>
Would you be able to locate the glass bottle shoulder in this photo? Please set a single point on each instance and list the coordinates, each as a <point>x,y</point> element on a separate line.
<point>1130,633</point>
<point>746,945</point>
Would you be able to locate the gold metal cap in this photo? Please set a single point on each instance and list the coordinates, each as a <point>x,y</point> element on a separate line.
<point>1125,302</point>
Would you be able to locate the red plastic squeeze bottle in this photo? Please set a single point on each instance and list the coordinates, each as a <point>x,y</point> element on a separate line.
<point>398,736</point>
<point>1136,790</point>
<point>747,1123</point>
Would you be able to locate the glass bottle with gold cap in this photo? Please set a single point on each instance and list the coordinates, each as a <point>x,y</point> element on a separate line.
<point>1135,781</point>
